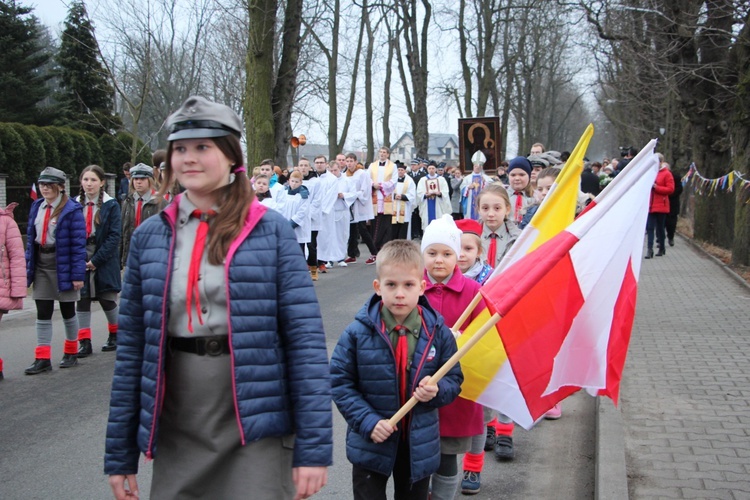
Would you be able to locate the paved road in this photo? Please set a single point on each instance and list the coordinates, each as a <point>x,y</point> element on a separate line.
<point>686,389</point>
<point>52,425</point>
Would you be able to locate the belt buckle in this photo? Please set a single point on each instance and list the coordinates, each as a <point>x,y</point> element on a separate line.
<point>214,347</point>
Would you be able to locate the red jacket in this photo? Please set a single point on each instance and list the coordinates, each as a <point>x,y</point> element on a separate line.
<point>462,417</point>
<point>663,187</point>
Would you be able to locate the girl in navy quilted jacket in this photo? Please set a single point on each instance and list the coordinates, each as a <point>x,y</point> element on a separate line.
<point>56,266</point>
<point>222,371</point>
<point>103,230</point>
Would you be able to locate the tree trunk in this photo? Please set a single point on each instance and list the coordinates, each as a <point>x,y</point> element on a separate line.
<point>282,99</point>
<point>416,56</point>
<point>259,122</point>
<point>369,115</point>
<point>740,59</point>
<point>387,90</point>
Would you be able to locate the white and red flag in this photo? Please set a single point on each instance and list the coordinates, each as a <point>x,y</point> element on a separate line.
<point>568,306</point>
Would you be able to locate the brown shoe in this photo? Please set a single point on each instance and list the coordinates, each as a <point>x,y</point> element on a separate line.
<point>314,272</point>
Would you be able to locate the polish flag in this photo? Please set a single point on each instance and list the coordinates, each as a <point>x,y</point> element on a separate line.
<point>568,307</point>
<point>34,194</point>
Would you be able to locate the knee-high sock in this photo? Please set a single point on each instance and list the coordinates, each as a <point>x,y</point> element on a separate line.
<point>84,320</point>
<point>71,328</point>
<point>445,487</point>
<point>44,332</point>
<point>112,317</point>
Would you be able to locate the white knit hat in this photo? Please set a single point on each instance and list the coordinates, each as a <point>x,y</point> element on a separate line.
<point>445,231</point>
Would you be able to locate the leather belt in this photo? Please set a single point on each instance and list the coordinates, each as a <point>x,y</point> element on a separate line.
<point>214,345</point>
<point>46,249</point>
<point>91,240</point>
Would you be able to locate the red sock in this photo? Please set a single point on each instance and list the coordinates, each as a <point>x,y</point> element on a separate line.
<point>43,352</point>
<point>112,329</point>
<point>504,429</point>
<point>71,347</point>
<point>84,334</point>
<point>1,364</point>
<point>474,463</point>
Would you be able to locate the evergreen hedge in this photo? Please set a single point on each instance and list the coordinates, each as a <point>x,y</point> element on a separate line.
<point>25,150</point>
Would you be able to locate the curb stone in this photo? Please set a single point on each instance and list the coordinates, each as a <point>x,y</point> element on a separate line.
<point>610,475</point>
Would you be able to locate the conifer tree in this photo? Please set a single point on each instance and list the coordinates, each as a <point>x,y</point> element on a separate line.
<point>85,92</point>
<point>22,58</point>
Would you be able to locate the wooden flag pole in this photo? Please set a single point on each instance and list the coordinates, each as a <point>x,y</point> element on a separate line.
<point>446,367</point>
<point>465,315</point>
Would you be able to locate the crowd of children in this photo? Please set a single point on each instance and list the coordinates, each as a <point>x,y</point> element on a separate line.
<point>221,355</point>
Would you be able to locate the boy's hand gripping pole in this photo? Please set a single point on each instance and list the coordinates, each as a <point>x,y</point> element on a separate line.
<point>447,366</point>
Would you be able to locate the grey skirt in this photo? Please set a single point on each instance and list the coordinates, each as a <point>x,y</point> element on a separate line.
<point>93,294</point>
<point>455,445</point>
<point>199,453</point>
<point>45,281</point>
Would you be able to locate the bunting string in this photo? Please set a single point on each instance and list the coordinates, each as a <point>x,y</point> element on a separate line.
<point>711,187</point>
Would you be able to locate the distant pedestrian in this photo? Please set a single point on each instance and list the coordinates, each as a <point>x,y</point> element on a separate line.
<point>658,210</point>
<point>674,207</point>
<point>56,266</point>
<point>140,204</point>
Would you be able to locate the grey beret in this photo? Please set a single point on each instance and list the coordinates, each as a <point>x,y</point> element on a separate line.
<point>199,118</point>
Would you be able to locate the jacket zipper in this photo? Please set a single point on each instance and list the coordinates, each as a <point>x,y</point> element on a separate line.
<point>160,379</point>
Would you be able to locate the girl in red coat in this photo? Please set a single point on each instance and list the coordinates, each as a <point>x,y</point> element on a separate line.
<point>449,293</point>
<point>658,209</point>
<point>12,265</point>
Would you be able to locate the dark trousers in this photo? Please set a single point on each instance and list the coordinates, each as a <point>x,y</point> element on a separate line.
<point>369,485</point>
<point>312,249</point>
<point>359,228</point>
<point>671,225</point>
<point>381,230</point>
<point>655,223</point>
<point>400,231</point>
<point>416,225</point>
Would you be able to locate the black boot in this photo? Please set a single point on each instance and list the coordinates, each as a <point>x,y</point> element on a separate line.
<point>39,366</point>
<point>650,253</point>
<point>671,241</point>
<point>84,349</point>
<point>489,440</point>
<point>504,448</point>
<point>662,252</point>
<point>68,361</point>
<point>110,344</point>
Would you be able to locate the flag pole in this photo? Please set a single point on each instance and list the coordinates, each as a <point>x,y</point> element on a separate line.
<point>447,366</point>
<point>465,315</point>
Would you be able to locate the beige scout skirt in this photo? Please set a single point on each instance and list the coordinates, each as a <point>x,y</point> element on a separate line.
<point>199,453</point>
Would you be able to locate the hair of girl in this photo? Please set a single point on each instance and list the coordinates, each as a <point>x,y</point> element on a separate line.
<point>59,188</point>
<point>548,172</point>
<point>99,172</point>
<point>233,200</point>
<point>498,190</point>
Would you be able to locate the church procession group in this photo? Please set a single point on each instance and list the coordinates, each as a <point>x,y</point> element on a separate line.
<point>218,329</point>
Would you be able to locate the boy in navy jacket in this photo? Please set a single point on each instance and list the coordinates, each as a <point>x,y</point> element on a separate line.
<point>385,356</point>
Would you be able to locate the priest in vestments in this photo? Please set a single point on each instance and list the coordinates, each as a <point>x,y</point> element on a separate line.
<point>433,196</point>
<point>384,176</point>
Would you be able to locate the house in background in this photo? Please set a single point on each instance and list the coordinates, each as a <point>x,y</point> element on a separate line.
<point>441,147</point>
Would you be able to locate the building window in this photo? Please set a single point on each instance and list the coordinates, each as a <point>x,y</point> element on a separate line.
<point>413,152</point>
<point>448,153</point>
<point>402,152</point>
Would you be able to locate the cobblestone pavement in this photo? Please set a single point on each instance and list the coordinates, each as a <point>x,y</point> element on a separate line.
<point>686,385</point>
